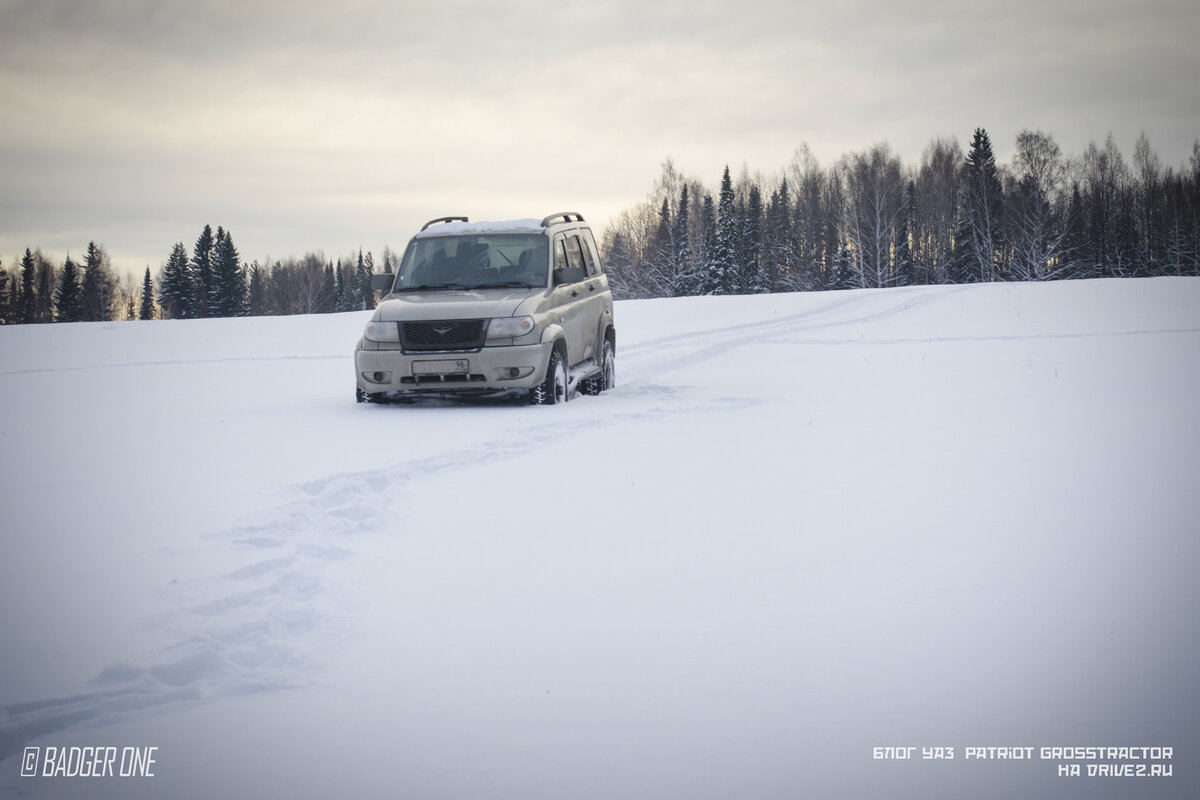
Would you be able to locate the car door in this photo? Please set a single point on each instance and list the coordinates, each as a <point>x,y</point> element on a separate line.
<point>598,299</point>
<point>570,294</point>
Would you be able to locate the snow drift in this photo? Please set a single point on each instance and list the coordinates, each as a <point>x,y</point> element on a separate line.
<point>802,527</point>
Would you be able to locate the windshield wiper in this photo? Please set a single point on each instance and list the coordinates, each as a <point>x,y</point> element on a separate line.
<point>429,287</point>
<point>502,285</point>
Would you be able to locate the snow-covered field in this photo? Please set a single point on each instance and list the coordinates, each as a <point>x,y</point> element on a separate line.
<point>802,527</point>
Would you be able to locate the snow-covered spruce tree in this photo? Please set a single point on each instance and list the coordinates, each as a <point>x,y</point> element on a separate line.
<point>256,290</point>
<point>720,269</point>
<point>328,291</point>
<point>46,280</point>
<point>364,295</point>
<point>339,288</point>
<point>980,240</point>
<point>202,268</point>
<point>5,296</point>
<point>68,295</point>
<point>177,291</point>
<point>656,272</point>
<point>146,311</point>
<point>227,284</point>
<point>750,244</point>
<point>26,300</point>
<point>99,285</point>
<point>279,295</point>
<point>777,238</point>
<point>833,269</point>
<point>682,273</point>
<point>1077,256</point>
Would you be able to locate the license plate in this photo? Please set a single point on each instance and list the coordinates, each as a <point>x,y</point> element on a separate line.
<point>453,366</point>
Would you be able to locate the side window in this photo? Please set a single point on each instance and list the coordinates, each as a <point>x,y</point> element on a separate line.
<point>574,252</point>
<point>560,253</point>
<point>589,254</point>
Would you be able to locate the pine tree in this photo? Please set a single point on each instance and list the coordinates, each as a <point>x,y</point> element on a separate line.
<point>68,295</point>
<point>777,251</point>
<point>227,285</point>
<point>364,295</point>
<point>257,290</point>
<point>1078,256</point>
<point>328,291</point>
<point>45,289</point>
<point>280,294</point>
<point>682,279</point>
<point>662,253</point>
<point>177,294</point>
<point>27,312</point>
<point>339,288</point>
<point>147,309</point>
<point>751,233</point>
<point>99,285</point>
<point>5,296</point>
<point>202,268</point>
<point>981,234</point>
<point>720,274</point>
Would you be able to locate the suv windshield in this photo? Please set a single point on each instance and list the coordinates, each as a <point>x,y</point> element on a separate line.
<point>474,262</point>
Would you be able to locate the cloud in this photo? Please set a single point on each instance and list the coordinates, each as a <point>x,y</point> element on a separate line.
<point>349,123</point>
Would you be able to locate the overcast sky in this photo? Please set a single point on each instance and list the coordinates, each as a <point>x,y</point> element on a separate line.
<point>325,126</point>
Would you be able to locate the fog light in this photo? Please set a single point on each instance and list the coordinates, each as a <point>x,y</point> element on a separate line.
<point>378,377</point>
<point>513,372</point>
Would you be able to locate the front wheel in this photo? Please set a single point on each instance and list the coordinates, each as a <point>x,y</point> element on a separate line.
<point>554,388</point>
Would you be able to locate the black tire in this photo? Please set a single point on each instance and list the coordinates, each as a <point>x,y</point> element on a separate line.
<point>607,378</point>
<point>554,388</point>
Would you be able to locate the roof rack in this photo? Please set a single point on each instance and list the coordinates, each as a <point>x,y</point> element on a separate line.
<point>566,217</point>
<point>445,219</point>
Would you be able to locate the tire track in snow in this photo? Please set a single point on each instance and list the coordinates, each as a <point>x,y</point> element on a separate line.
<point>667,354</point>
<point>256,628</point>
<point>172,363</point>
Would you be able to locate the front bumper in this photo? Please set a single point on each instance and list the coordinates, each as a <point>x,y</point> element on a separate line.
<point>393,372</point>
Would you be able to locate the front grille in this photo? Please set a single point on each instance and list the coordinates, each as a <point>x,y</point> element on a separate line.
<point>439,335</point>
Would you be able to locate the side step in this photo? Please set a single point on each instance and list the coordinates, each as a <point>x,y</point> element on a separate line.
<point>581,372</point>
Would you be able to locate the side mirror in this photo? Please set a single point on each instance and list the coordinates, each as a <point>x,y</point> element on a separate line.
<point>564,275</point>
<point>383,282</point>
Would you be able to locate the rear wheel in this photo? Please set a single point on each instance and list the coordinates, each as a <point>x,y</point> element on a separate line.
<point>553,389</point>
<point>607,378</point>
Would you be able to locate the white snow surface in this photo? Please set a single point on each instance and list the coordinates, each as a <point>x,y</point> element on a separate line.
<point>801,527</point>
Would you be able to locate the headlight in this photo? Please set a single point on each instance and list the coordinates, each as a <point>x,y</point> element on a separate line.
<point>509,327</point>
<point>382,331</point>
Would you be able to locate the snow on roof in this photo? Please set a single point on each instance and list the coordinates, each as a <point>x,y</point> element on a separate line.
<point>481,228</point>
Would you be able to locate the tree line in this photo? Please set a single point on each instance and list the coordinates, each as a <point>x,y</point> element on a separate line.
<point>869,221</point>
<point>208,281</point>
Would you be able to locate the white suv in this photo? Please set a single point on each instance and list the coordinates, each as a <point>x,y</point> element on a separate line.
<point>492,308</point>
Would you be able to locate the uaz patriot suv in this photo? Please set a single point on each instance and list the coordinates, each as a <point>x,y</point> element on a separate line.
<point>492,308</point>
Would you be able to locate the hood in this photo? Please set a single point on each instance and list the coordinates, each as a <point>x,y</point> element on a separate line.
<point>475,304</point>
